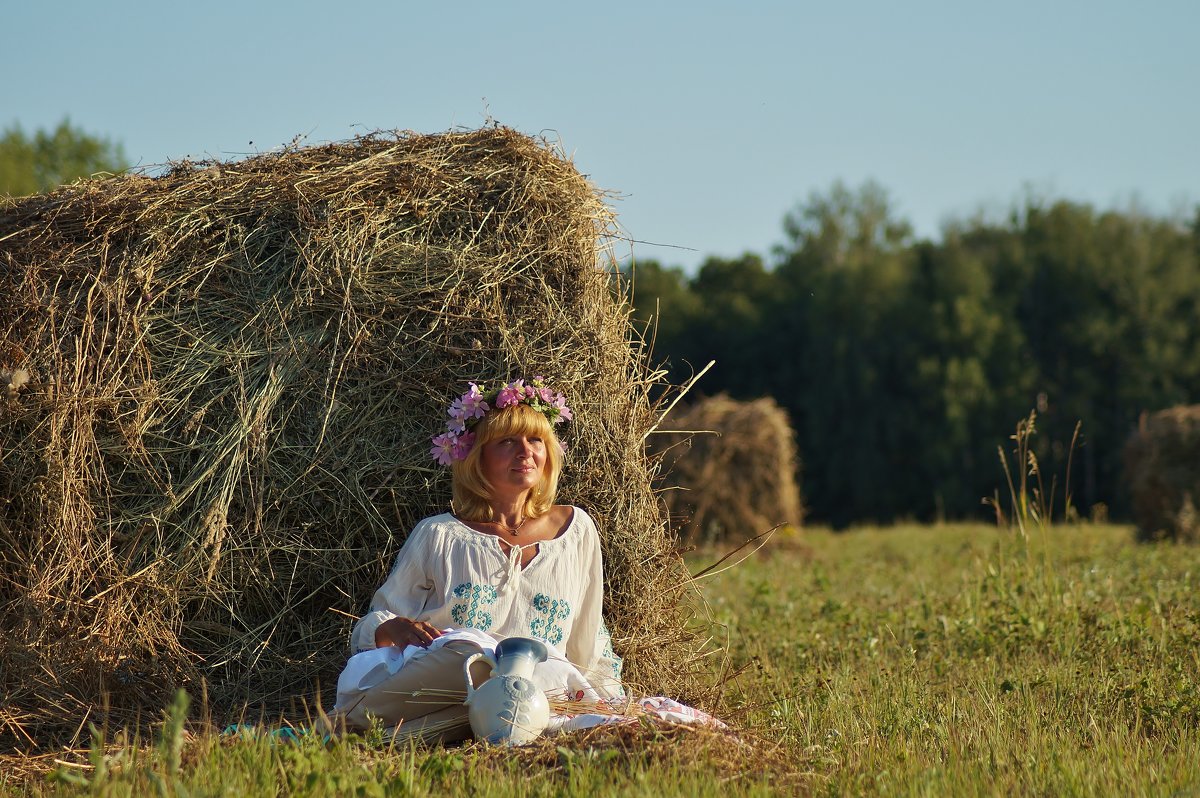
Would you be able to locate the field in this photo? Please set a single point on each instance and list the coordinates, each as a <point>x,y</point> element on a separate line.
<point>936,660</point>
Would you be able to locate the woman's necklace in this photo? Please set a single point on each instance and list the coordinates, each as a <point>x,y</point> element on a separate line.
<point>512,530</point>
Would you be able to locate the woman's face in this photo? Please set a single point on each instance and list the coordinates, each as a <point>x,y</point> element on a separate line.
<point>516,461</point>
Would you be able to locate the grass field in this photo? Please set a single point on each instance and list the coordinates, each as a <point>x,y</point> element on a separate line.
<point>964,661</point>
<point>919,660</point>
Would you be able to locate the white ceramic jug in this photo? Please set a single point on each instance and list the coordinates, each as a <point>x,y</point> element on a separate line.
<point>508,709</point>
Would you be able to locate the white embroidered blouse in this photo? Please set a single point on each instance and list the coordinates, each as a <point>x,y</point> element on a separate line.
<point>452,576</point>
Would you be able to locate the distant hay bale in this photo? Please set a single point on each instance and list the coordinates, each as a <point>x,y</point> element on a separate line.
<point>730,468</point>
<point>219,390</point>
<point>1162,469</point>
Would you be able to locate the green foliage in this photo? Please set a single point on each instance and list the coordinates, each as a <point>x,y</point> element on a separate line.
<point>843,281</point>
<point>898,360</point>
<point>1106,305</point>
<point>46,160</point>
<point>654,288</point>
<point>258,764</point>
<point>734,302</point>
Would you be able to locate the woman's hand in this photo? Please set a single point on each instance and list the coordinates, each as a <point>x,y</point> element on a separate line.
<point>405,632</point>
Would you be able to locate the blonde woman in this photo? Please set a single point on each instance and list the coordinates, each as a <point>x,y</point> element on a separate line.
<point>505,562</point>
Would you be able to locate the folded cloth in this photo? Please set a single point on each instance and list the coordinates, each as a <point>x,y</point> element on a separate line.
<point>653,706</point>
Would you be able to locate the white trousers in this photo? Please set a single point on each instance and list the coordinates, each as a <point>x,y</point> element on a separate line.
<point>424,698</point>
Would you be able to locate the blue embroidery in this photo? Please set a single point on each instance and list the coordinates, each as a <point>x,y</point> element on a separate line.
<point>469,613</point>
<point>555,610</point>
<point>609,654</point>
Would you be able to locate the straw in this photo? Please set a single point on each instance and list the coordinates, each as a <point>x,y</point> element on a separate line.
<point>732,469</point>
<point>230,375</point>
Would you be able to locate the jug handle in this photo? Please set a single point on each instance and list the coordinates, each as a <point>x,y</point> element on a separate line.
<point>467,670</point>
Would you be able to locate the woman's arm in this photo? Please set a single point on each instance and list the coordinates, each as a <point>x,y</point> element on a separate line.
<point>401,598</point>
<point>403,632</point>
<point>589,646</point>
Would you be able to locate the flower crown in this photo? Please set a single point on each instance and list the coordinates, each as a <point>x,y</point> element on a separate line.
<point>456,442</point>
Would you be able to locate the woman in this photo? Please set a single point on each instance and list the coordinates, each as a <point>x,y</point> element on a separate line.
<point>507,562</point>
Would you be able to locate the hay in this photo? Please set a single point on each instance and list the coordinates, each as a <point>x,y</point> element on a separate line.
<point>1162,469</point>
<point>729,756</point>
<point>229,378</point>
<point>735,480</point>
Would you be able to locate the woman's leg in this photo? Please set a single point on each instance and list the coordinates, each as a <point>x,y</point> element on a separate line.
<point>426,695</point>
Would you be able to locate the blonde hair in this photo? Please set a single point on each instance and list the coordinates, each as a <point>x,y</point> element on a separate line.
<point>471,489</point>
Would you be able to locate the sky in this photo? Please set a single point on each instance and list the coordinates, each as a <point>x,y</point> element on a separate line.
<point>708,122</point>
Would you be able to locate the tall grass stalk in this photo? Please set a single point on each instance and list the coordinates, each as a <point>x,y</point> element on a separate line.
<point>1031,507</point>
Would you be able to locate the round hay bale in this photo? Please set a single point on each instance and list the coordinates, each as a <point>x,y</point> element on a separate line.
<point>1162,469</point>
<point>220,389</point>
<point>730,469</point>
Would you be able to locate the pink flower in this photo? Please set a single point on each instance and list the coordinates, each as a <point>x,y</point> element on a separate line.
<point>458,417</point>
<point>471,404</point>
<point>564,412</point>
<point>458,441</point>
<point>443,448</point>
<point>511,394</point>
<point>462,446</point>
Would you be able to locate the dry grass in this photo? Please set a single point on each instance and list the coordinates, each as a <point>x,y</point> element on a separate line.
<point>731,467</point>
<point>724,755</point>
<point>1162,467</point>
<point>233,372</point>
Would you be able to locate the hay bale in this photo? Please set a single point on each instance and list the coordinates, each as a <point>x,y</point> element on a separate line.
<point>228,379</point>
<point>1162,469</point>
<point>730,469</point>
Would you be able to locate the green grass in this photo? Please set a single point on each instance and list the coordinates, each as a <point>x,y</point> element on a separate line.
<point>947,660</point>
<point>965,661</point>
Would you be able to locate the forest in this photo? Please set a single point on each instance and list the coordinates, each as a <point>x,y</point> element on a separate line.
<point>904,363</point>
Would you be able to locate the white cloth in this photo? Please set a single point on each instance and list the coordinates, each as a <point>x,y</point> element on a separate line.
<point>653,706</point>
<point>454,577</point>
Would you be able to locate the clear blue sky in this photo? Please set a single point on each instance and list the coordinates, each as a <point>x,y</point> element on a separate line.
<point>712,120</point>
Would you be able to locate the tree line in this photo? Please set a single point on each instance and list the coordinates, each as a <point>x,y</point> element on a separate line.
<point>43,160</point>
<point>904,363</point>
